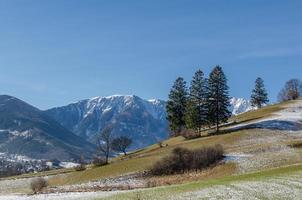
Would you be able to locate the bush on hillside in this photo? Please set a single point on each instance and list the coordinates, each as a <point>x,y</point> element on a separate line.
<point>82,164</point>
<point>182,160</point>
<point>98,161</point>
<point>80,167</point>
<point>38,184</point>
<point>190,134</point>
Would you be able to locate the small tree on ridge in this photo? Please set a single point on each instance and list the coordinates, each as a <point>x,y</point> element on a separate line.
<point>259,95</point>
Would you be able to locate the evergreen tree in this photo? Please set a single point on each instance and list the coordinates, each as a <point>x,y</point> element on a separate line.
<point>218,100</point>
<point>259,94</point>
<point>196,112</point>
<point>176,106</point>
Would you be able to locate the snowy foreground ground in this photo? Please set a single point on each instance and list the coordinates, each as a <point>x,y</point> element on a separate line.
<point>280,187</point>
<point>283,187</point>
<point>60,196</point>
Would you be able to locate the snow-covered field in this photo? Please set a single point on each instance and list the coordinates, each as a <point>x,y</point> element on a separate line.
<point>266,149</point>
<point>288,119</point>
<point>283,187</point>
<point>123,182</point>
<point>60,196</point>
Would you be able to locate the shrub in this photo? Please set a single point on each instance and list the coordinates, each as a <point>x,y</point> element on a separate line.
<point>98,161</point>
<point>80,167</point>
<point>160,144</point>
<point>182,160</point>
<point>38,184</point>
<point>190,134</point>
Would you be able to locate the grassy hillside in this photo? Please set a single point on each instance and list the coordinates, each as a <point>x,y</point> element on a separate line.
<point>238,142</point>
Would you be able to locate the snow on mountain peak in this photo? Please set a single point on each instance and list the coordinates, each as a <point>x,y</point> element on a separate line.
<point>240,105</point>
<point>129,115</point>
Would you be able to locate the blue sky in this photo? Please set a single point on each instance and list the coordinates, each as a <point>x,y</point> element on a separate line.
<point>55,52</point>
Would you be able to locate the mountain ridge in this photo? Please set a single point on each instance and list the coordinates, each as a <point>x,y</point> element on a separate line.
<point>26,130</point>
<point>142,120</point>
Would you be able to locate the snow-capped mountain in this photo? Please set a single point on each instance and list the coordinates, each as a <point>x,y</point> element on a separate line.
<point>27,131</point>
<point>240,105</point>
<point>142,120</point>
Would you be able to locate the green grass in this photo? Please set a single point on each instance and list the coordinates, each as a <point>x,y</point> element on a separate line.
<point>165,192</point>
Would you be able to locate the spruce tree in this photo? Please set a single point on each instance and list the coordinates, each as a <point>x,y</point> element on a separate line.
<point>196,112</point>
<point>218,100</point>
<point>176,106</point>
<point>259,94</point>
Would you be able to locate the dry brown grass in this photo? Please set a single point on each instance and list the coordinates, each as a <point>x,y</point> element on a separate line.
<point>221,170</point>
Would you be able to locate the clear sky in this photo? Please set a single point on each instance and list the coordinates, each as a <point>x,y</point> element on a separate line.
<point>54,52</point>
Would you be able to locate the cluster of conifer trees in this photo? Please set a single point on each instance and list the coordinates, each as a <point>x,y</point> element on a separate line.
<point>206,103</point>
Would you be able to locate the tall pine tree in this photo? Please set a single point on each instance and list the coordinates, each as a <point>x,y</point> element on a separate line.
<point>196,112</point>
<point>218,100</point>
<point>176,106</point>
<point>259,94</point>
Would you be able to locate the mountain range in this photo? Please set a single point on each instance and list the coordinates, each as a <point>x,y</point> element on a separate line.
<point>69,131</point>
<point>142,120</point>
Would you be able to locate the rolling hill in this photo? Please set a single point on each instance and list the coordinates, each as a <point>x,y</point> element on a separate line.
<point>254,156</point>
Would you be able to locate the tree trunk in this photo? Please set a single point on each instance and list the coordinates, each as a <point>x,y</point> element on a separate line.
<point>217,115</point>
<point>107,157</point>
<point>217,127</point>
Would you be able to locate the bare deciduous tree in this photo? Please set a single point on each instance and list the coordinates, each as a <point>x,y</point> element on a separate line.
<point>120,144</point>
<point>291,91</point>
<point>104,142</point>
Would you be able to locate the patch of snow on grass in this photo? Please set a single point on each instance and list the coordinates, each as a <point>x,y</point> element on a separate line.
<point>290,118</point>
<point>274,188</point>
<point>60,196</point>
